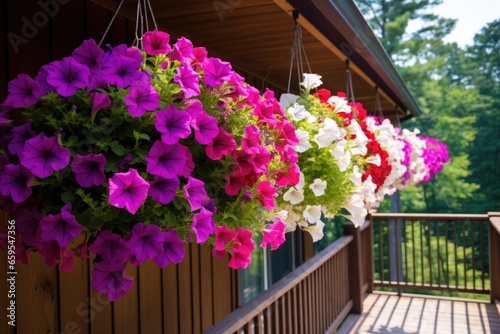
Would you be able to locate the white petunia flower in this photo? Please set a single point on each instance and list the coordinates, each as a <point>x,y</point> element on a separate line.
<point>318,187</point>
<point>302,181</point>
<point>311,81</point>
<point>355,206</point>
<point>338,149</point>
<point>316,230</point>
<point>339,104</point>
<point>304,143</point>
<point>323,139</point>
<point>294,196</point>
<point>298,112</point>
<point>312,213</point>
<point>356,176</point>
<point>286,100</point>
<point>344,161</point>
<point>331,127</point>
<point>283,214</point>
<point>374,160</point>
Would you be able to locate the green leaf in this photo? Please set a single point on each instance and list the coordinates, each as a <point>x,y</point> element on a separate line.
<point>118,149</point>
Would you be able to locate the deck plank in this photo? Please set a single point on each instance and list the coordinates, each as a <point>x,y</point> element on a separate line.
<point>389,313</point>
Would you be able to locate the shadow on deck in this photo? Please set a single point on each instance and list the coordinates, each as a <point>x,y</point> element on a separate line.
<point>412,314</point>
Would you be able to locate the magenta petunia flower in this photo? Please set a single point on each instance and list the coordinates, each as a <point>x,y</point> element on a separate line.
<point>203,225</point>
<point>266,195</point>
<point>146,242</point>
<point>242,249</point>
<point>44,155</point>
<point>261,160</point>
<point>122,70</point>
<point>194,108</point>
<point>223,144</point>
<point>62,227</point>
<point>165,160</point>
<point>51,251</point>
<point>89,169</point>
<point>223,236</point>
<point>67,260</point>
<point>142,97</point>
<point>244,161</point>
<point>90,55</point>
<point>173,249</point>
<point>111,247</point>
<point>251,141</point>
<point>189,81</point>
<point>236,181</point>
<point>23,91</point>
<point>110,279</point>
<point>274,234</point>
<point>20,135</point>
<point>206,128</point>
<point>128,190</point>
<point>182,50</point>
<point>173,124</point>
<point>188,167</point>
<point>99,101</point>
<point>216,72</point>
<point>195,193</point>
<point>67,76</point>
<point>14,182</point>
<point>156,42</point>
<point>163,190</point>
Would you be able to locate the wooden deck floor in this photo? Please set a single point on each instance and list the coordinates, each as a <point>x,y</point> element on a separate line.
<point>388,313</point>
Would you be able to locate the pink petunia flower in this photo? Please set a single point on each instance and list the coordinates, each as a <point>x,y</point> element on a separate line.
<point>223,144</point>
<point>266,194</point>
<point>156,42</point>
<point>274,234</point>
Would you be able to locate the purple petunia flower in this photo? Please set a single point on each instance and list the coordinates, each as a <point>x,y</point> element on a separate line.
<point>14,182</point>
<point>128,190</point>
<point>67,76</point>
<point>223,144</point>
<point>43,155</point>
<point>216,72</point>
<point>142,97</point>
<point>99,101</point>
<point>126,51</point>
<point>111,247</point>
<point>28,224</point>
<point>206,128</point>
<point>89,169</point>
<point>51,251</point>
<point>110,279</point>
<point>203,225</point>
<point>122,71</point>
<point>163,190</point>
<point>41,78</point>
<point>90,55</point>
<point>156,42</point>
<point>195,193</point>
<point>62,227</point>
<point>173,124</point>
<point>209,204</point>
<point>146,242</point>
<point>165,160</point>
<point>20,135</point>
<point>173,249</point>
<point>189,81</point>
<point>23,91</point>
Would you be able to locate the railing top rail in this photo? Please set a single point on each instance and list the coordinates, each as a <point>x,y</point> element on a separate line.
<point>430,215</point>
<point>242,315</point>
<point>495,222</point>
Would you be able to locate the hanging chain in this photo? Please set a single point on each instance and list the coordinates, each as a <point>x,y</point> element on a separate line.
<point>348,82</point>
<point>297,53</point>
<point>111,23</point>
<point>144,14</point>
<point>378,105</point>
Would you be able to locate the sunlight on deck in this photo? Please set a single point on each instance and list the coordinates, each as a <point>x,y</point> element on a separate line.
<point>388,313</point>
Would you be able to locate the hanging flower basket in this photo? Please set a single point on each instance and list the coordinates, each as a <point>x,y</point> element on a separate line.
<point>130,154</point>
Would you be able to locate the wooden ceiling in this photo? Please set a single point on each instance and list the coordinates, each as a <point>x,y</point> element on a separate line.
<point>256,37</point>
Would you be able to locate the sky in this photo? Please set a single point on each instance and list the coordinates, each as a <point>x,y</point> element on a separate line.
<point>472,15</point>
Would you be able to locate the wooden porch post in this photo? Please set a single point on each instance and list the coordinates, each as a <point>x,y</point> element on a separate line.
<point>494,249</point>
<point>355,268</point>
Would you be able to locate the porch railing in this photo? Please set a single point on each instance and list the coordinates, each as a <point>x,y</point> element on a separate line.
<point>453,253</point>
<point>314,298</point>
